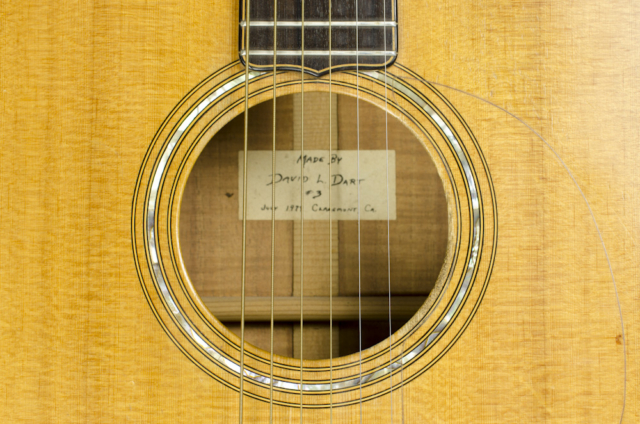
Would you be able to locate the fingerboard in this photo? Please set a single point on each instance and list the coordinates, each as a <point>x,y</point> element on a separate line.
<point>365,40</point>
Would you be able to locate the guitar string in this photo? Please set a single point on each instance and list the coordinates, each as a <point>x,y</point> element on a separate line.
<point>402,386</point>
<point>301,208</point>
<point>273,206</point>
<point>244,206</point>
<point>358,208</point>
<point>584,197</point>
<point>386,139</point>
<point>330,239</point>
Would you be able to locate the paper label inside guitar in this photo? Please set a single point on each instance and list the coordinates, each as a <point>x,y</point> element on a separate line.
<point>377,186</point>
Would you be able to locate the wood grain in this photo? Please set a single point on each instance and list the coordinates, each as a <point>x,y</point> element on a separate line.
<point>376,38</point>
<point>84,86</point>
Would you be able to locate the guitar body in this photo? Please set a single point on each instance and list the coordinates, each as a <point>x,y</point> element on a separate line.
<point>530,114</point>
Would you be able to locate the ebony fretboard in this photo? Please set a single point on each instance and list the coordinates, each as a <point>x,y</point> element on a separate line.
<point>374,45</point>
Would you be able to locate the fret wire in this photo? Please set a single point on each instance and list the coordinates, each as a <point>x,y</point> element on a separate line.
<point>273,210</point>
<point>320,53</point>
<point>373,25</point>
<point>244,211</point>
<point>298,24</point>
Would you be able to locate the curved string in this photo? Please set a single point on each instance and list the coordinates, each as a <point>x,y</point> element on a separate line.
<point>273,207</point>
<point>584,197</point>
<point>244,206</point>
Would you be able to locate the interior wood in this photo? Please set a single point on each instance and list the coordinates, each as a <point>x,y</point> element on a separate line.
<point>210,232</point>
<point>86,85</point>
<point>320,339</point>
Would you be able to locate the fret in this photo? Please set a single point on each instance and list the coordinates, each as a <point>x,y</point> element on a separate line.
<point>318,10</point>
<point>319,53</point>
<point>376,27</point>
<point>338,24</point>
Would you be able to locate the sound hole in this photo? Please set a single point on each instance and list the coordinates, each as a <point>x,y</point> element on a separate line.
<point>211,234</point>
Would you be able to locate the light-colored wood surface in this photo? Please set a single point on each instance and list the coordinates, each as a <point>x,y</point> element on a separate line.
<point>84,86</point>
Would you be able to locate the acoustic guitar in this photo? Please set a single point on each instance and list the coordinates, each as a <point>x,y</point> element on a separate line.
<point>320,211</point>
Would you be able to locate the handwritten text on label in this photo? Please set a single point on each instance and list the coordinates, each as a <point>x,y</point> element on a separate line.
<point>369,172</point>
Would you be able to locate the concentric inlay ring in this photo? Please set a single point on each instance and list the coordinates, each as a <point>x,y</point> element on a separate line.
<point>414,348</point>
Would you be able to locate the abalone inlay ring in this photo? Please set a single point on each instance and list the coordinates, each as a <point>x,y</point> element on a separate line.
<point>221,357</point>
